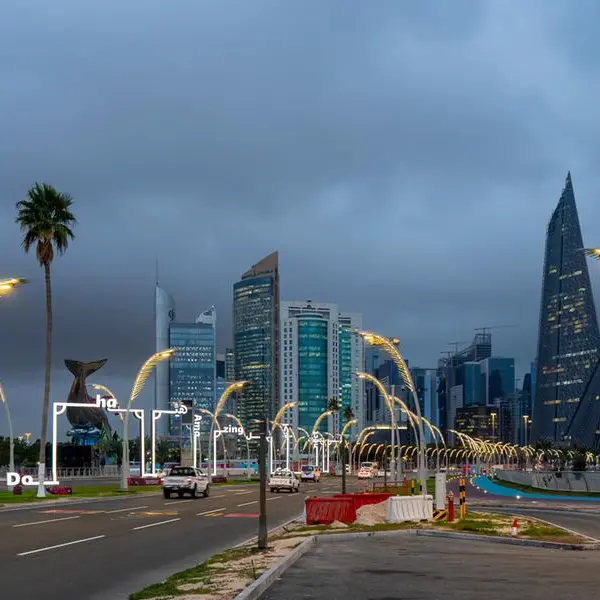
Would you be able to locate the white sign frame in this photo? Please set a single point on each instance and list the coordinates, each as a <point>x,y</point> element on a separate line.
<point>111,405</point>
<point>180,409</point>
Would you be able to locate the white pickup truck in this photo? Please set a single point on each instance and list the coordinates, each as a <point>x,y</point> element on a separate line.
<point>282,479</point>
<point>186,480</point>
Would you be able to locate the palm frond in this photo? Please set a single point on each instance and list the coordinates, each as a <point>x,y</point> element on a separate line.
<point>46,220</point>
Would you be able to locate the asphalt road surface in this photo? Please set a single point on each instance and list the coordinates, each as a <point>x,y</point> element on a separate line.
<point>414,567</point>
<point>110,548</point>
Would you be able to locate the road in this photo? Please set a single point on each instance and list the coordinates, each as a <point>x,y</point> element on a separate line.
<point>110,548</point>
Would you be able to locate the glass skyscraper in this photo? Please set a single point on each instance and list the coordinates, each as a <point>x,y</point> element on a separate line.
<point>164,315</point>
<point>193,367</point>
<point>319,358</point>
<point>256,341</point>
<point>569,339</point>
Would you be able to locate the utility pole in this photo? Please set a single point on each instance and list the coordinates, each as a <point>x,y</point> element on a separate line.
<point>262,473</point>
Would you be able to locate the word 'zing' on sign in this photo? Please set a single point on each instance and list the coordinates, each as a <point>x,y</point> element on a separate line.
<point>232,429</point>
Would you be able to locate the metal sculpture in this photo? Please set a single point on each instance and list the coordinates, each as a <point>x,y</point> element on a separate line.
<point>86,419</point>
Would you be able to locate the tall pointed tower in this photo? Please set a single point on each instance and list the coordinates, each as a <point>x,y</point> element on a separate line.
<point>569,340</point>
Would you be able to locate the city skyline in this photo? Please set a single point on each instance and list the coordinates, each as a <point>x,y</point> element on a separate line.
<point>385,187</point>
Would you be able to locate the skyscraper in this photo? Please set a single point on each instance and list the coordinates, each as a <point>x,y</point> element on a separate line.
<point>569,339</point>
<point>164,314</point>
<point>319,357</point>
<point>192,369</point>
<point>256,340</point>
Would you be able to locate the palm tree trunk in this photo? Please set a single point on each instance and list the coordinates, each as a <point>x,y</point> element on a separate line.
<point>46,403</point>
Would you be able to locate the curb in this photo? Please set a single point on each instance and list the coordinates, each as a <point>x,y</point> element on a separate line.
<point>507,540</point>
<point>256,588</point>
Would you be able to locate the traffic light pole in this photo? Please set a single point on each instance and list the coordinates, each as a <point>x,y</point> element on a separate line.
<point>262,471</point>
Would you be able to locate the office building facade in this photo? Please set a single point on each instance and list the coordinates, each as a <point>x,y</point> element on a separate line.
<point>256,341</point>
<point>192,368</point>
<point>319,357</point>
<point>164,315</point>
<point>568,339</point>
<point>498,377</point>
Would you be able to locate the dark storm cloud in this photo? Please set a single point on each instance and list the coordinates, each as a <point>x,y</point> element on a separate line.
<point>403,158</point>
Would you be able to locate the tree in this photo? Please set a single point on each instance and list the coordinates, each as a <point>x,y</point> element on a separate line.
<point>46,220</point>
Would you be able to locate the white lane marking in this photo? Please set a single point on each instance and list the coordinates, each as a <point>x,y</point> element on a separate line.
<point>46,521</point>
<point>177,502</point>
<point>221,496</point>
<point>210,512</point>
<point>112,512</point>
<point>275,498</point>
<point>96,537</point>
<point>248,503</point>
<point>242,493</point>
<point>583,535</point>
<point>155,524</point>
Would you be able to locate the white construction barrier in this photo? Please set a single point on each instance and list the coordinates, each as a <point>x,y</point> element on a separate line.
<point>409,508</point>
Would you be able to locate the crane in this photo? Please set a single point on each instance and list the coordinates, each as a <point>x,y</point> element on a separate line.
<point>485,330</point>
<point>457,344</point>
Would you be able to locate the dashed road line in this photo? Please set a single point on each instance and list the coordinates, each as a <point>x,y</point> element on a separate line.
<point>155,524</point>
<point>248,503</point>
<point>210,512</point>
<point>46,521</point>
<point>177,502</point>
<point>96,537</point>
<point>112,512</point>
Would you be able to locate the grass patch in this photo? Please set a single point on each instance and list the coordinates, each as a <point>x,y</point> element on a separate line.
<point>543,531</point>
<point>89,491</point>
<point>533,490</point>
<point>199,575</point>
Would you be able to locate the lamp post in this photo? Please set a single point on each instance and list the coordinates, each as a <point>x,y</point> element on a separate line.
<point>390,405</point>
<point>10,430</point>
<point>8,285</point>
<point>389,346</point>
<point>138,386</point>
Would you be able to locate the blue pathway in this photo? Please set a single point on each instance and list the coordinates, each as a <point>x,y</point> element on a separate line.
<point>499,490</point>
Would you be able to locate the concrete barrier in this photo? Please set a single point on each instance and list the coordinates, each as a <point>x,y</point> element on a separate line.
<point>565,481</point>
<point>409,508</point>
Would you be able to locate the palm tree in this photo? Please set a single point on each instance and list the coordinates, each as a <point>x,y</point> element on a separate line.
<point>46,220</point>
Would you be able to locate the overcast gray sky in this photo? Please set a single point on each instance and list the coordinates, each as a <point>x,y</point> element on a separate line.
<point>403,157</point>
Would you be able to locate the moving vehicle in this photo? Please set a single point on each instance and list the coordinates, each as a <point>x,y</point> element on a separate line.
<point>283,479</point>
<point>310,473</point>
<point>186,480</point>
<point>365,473</point>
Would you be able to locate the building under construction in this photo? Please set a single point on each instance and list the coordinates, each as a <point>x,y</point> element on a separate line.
<point>448,376</point>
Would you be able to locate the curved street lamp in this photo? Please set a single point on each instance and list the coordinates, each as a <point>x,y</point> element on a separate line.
<point>138,386</point>
<point>8,285</point>
<point>10,430</point>
<point>389,346</point>
<point>390,406</point>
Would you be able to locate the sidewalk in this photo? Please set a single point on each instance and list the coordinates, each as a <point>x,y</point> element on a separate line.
<point>434,568</point>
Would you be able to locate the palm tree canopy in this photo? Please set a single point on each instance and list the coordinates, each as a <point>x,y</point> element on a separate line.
<point>46,220</point>
<point>333,404</point>
<point>348,413</point>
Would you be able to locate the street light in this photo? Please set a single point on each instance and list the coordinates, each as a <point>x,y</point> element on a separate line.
<point>390,406</point>
<point>8,285</point>
<point>138,386</point>
<point>389,346</point>
<point>10,429</point>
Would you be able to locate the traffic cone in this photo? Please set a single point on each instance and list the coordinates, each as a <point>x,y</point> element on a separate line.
<point>514,526</point>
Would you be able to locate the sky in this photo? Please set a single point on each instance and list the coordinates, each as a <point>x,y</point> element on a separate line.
<point>404,158</point>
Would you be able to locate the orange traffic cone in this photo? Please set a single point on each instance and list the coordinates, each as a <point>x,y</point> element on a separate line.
<point>514,526</point>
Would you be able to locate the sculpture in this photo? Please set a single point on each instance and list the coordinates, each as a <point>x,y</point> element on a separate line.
<point>85,419</point>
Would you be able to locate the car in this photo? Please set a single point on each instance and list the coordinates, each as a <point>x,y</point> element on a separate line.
<point>283,479</point>
<point>365,473</point>
<point>186,480</point>
<point>310,473</point>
